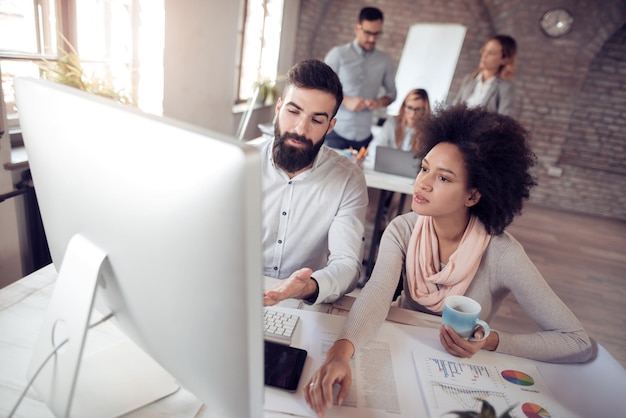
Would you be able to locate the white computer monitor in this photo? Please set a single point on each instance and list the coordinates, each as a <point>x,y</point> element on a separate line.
<point>160,223</point>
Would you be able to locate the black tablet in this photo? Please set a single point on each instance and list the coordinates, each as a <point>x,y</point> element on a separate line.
<point>283,365</point>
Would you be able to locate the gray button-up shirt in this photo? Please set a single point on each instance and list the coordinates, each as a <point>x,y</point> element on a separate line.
<point>315,220</point>
<point>362,74</point>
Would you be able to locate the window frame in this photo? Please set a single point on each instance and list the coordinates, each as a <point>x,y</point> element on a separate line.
<point>51,45</point>
<point>241,59</point>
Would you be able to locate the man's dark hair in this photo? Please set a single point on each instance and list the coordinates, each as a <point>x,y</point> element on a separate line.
<point>316,75</point>
<point>370,14</point>
<point>497,155</point>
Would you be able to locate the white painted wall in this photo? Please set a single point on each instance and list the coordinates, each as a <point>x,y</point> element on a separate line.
<point>201,38</point>
<point>200,59</point>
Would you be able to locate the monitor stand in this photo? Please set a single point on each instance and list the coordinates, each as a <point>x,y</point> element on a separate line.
<point>106,383</point>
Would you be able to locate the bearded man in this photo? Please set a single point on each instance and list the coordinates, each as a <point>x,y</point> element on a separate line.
<point>314,199</point>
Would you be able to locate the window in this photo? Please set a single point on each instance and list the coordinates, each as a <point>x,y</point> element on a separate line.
<point>261,44</point>
<point>27,26</point>
<point>26,29</point>
<point>120,41</point>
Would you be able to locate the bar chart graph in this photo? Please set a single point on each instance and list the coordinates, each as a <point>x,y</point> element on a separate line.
<point>452,384</point>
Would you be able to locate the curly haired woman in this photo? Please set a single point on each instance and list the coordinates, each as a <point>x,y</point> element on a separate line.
<point>474,178</point>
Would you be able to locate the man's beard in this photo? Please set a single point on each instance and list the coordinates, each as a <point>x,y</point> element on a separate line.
<point>290,158</point>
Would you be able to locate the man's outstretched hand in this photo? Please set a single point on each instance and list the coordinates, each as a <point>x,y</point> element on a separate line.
<point>298,286</point>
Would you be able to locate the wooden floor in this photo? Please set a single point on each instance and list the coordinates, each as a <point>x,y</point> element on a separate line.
<point>583,258</point>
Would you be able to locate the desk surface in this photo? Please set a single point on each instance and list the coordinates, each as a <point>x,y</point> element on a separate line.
<point>593,389</point>
<point>384,181</point>
<point>389,182</point>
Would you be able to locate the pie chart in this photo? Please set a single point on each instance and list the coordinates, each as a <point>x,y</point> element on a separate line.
<point>532,410</point>
<point>518,378</point>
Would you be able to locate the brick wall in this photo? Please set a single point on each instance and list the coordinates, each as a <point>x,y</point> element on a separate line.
<point>571,91</point>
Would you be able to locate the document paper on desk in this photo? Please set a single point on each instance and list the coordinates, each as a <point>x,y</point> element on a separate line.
<point>454,384</point>
<point>382,384</point>
<point>374,385</point>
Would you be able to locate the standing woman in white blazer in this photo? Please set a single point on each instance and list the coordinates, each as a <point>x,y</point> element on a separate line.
<point>490,85</point>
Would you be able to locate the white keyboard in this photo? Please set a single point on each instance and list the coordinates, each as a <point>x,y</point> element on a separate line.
<point>279,326</point>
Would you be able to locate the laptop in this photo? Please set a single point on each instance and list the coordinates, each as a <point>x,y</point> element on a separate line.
<point>396,161</point>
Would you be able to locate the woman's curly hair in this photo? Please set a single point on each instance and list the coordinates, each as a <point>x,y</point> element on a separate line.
<point>497,156</point>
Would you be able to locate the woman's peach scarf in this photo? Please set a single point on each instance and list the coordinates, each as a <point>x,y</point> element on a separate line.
<point>427,284</point>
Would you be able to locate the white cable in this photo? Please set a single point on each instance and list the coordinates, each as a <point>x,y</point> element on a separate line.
<point>41,366</point>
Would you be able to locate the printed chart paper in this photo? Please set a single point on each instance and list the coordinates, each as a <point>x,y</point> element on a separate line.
<point>453,384</point>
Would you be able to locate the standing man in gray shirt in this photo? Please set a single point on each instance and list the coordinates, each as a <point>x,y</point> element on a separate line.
<point>363,71</point>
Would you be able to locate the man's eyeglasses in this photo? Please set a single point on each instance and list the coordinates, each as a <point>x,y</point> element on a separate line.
<point>369,33</point>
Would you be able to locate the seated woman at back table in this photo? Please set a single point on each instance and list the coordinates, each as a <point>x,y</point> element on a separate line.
<point>399,131</point>
<point>473,180</point>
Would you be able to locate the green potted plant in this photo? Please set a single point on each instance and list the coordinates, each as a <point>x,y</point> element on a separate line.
<point>68,70</point>
<point>268,91</point>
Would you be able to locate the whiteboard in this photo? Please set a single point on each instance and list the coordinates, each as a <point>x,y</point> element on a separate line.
<point>428,61</point>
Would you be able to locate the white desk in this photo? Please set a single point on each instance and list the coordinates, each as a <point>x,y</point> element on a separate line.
<point>384,181</point>
<point>595,389</point>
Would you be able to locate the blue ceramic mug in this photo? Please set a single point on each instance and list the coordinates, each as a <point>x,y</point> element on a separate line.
<point>461,314</point>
